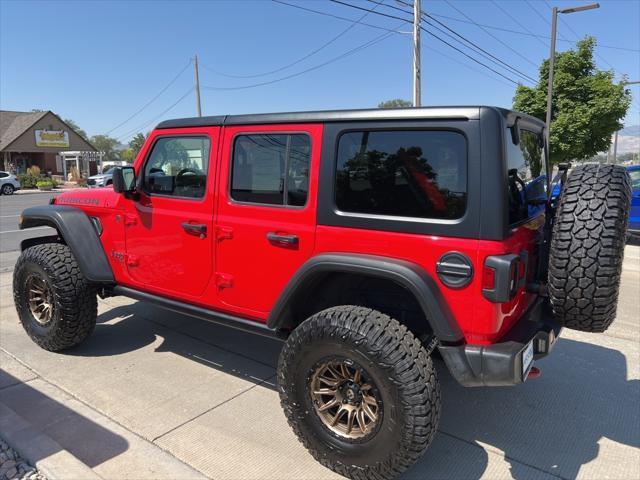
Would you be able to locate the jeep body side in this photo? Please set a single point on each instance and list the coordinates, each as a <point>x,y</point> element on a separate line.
<point>400,231</point>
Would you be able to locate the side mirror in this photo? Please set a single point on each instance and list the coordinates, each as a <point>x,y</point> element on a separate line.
<point>124,180</point>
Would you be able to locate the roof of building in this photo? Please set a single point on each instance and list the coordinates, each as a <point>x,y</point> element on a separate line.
<point>13,124</point>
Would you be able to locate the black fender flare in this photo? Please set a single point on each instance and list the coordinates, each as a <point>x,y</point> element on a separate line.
<point>78,232</point>
<point>409,275</point>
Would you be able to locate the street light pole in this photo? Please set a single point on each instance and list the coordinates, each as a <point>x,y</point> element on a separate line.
<point>417,94</point>
<point>552,56</point>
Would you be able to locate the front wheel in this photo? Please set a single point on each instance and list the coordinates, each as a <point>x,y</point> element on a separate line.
<point>56,305</point>
<point>7,189</point>
<point>359,391</point>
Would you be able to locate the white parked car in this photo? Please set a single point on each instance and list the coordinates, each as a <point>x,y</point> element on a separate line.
<point>8,183</point>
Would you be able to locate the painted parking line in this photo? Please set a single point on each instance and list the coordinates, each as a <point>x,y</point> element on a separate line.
<point>16,231</point>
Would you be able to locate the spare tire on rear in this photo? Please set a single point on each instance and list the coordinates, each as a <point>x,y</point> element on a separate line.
<point>587,246</point>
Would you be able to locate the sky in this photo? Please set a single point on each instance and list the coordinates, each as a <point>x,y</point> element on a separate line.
<point>101,62</point>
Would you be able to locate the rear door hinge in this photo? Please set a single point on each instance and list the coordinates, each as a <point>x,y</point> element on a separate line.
<point>130,219</point>
<point>224,233</point>
<point>224,280</point>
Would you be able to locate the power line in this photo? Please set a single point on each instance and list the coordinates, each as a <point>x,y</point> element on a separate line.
<point>438,38</point>
<point>367,44</point>
<point>491,34</point>
<point>149,122</point>
<point>301,59</point>
<point>327,14</point>
<point>515,20</point>
<point>489,56</point>
<point>152,100</point>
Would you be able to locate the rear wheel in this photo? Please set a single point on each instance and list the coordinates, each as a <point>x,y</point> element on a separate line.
<point>56,305</point>
<point>359,391</point>
<point>7,189</point>
<point>587,247</point>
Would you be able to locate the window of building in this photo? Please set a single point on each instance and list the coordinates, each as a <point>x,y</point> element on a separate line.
<point>271,169</point>
<point>404,173</point>
<point>177,166</point>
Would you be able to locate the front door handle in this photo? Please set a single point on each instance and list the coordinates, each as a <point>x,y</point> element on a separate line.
<point>283,239</point>
<point>198,229</point>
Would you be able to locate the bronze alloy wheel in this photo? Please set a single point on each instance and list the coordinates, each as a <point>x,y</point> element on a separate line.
<point>345,399</point>
<point>40,299</point>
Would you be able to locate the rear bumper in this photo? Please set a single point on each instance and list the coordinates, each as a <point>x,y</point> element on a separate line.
<point>501,363</point>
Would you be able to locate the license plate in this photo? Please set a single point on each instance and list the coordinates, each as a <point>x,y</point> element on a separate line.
<point>527,359</point>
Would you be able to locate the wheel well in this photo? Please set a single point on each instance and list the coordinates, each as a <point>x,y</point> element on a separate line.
<point>338,288</point>
<point>31,242</point>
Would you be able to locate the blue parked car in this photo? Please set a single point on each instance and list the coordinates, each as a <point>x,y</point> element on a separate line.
<point>634,216</point>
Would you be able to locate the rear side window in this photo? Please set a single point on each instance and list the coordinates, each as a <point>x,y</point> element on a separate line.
<point>3,174</point>
<point>271,169</point>
<point>177,166</point>
<point>403,173</point>
<point>527,180</point>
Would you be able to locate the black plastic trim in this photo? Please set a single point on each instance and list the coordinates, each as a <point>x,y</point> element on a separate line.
<point>411,276</point>
<point>500,364</point>
<point>504,286</point>
<point>77,230</point>
<point>219,318</point>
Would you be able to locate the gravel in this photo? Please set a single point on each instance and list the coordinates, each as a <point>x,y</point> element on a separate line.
<point>13,467</point>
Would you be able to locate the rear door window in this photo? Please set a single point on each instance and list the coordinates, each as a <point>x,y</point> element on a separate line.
<point>271,169</point>
<point>402,173</point>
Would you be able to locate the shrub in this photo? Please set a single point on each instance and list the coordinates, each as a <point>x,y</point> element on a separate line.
<point>34,171</point>
<point>27,180</point>
<point>45,184</point>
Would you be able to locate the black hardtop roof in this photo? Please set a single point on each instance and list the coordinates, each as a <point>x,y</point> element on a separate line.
<point>439,113</point>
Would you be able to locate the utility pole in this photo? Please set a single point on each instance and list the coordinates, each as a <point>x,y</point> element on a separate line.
<point>197,87</point>
<point>417,95</point>
<point>615,138</point>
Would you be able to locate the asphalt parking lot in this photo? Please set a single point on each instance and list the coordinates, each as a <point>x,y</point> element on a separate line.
<point>153,394</point>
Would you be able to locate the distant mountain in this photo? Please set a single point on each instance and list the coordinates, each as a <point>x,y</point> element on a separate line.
<point>633,130</point>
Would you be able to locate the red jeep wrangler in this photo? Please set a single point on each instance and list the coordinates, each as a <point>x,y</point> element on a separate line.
<point>365,239</point>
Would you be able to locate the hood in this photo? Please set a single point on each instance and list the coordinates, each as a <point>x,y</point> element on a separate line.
<point>101,176</point>
<point>89,197</point>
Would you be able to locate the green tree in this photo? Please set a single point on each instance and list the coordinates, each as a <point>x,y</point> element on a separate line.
<point>77,128</point>
<point>106,144</point>
<point>128,155</point>
<point>395,103</point>
<point>136,143</point>
<point>587,104</point>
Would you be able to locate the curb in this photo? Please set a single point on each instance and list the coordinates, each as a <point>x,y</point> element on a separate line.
<point>40,450</point>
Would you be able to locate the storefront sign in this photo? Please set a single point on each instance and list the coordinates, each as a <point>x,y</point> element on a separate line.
<point>52,138</point>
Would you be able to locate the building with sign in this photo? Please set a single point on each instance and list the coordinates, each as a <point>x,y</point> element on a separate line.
<point>45,140</point>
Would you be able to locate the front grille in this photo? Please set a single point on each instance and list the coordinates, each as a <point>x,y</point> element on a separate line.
<point>91,181</point>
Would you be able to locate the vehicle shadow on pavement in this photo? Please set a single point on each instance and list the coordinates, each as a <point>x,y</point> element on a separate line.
<point>554,424</point>
<point>38,413</point>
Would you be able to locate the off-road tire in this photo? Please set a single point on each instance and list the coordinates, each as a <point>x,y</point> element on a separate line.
<point>75,305</point>
<point>402,370</point>
<point>587,247</point>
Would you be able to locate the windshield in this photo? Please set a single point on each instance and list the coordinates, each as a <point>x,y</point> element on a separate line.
<point>527,179</point>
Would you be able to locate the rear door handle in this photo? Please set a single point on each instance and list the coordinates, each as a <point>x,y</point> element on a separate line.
<point>198,229</point>
<point>282,239</point>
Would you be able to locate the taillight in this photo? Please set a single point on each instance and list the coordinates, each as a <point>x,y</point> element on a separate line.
<point>500,277</point>
<point>488,278</point>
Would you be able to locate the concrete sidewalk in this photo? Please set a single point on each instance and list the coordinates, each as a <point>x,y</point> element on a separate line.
<point>152,394</point>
